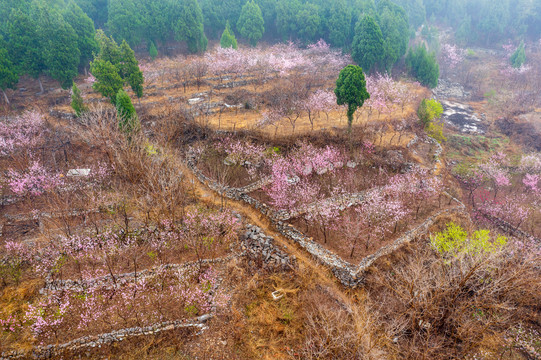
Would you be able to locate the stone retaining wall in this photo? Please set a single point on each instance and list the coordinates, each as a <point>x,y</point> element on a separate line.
<point>91,342</point>
<point>510,229</point>
<point>345,201</point>
<point>116,281</point>
<point>256,186</point>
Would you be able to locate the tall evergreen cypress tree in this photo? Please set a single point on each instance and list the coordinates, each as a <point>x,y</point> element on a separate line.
<point>423,66</point>
<point>351,90</point>
<point>129,69</point>
<point>24,45</point>
<point>339,23</point>
<point>8,72</point>
<point>84,28</point>
<point>189,27</point>
<point>519,56</point>
<point>228,39</point>
<point>251,23</point>
<point>77,102</point>
<point>368,44</point>
<point>60,52</point>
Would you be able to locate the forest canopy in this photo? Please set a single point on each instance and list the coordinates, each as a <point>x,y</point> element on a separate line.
<point>57,37</point>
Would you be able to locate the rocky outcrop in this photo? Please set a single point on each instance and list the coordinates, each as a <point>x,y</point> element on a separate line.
<point>262,250</point>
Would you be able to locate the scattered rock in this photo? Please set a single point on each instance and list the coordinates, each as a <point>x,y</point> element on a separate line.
<point>462,117</point>
<point>78,172</point>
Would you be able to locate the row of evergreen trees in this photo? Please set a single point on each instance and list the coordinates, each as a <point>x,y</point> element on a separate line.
<point>479,21</point>
<point>143,22</point>
<point>40,37</point>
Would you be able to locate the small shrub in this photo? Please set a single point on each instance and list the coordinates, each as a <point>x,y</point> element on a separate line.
<point>152,50</point>
<point>519,56</point>
<point>429,110</point>
<point>127,117</point>
<point>77,101</point>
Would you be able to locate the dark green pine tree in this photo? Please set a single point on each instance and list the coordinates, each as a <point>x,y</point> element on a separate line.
<point>214,18</point>
<point>228,39</point>
<point>368,44</point>
<point>339,23</point>
<point>127,117</point>
<point>108,48</point>
<point>394,26</point>
<point>86,34</point>
<point>129,69</point>
<point>251,25</point>
<point>114,67</point>
<point>8,72</point>
<point>24,45</point>
<point>60,52</point>
<point>125,22</point>
<point>286,17</point>
<point>108,81</point>
<point>423,66</point>
<point>309,23</point>
<point>96,10</point>
<point>189,27</point>
<point>351,90</point>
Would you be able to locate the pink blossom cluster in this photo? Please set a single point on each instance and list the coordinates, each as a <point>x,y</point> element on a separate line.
<point>508,70</point>
<point>495,170</point>
<point>380,212</point>
<point>34,181</point>
<point>46,318</point>
<point>150,72</point>
<point>324,57</point>
<point>250,155</point>
<point>22,132</point>
<point>509,48</point>
<point>280,59</point>
<point>531,182</point>
<point>385,93</point>
<point>10,324</point>
<point>202,232</point>
<point>452,55</point>
<point>90,79</point>
<point>415,187</point>
<point>321,101</point>
<point>271,117</point>
<point>510,208</point>
<point>292,176</point>
<point>531,163</point>
<point>384,207</point>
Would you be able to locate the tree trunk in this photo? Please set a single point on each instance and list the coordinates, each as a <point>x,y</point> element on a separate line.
<point>40,85</point>
<point>5,97</point>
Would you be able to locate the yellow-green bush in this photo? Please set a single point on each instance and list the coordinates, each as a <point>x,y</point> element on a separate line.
<point>455,240</point>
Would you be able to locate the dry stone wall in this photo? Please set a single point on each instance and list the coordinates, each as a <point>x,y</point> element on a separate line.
<point>91,342</point>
